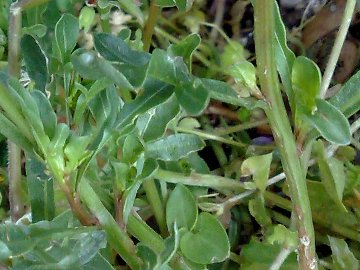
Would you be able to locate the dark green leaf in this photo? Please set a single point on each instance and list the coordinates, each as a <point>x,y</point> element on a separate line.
<point>174,147</point>
<point>342,256</point>
<point>171,246</point>
<point>284,56</point>
<point>330,123</point>
<point>47,114</point>
<point>158,120</point>
<point>148,170</point>
<point>40,190</point>
<point>181,208</point>
<point>89,65</point>
<point>347,100</point>
<point>115,49</point>
<point>185,47</point>
<point>162,67</point>
<point>192,96</point>
<point>65,36</point>
<point>155,92</point>
<point>132,149</point>
<point>207,243</point>
<point>35,61</point>
<point>258,211</point>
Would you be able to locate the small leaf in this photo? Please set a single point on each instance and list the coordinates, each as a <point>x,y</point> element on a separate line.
<point>160,118</point>
<point>171,246</point>
<point>47,114</point>
<point>174,147</point>
<point>207,243</point>
<point>186,47</point>
<point>128,198</point>
<point>283,236</point>
<point>259,167</point>
<point>148,169</point>
<point>233,53</point>
<point>332,174</point>
<point>132,149</point>
<point>347,100</point>
<point>35,61</point>
<point>181,208</point>
<point>66,35</point>
<point>5,253</point>
<point>330,123</point>
<point>38,30</point>
<point>86,18</point>
<point>192,96</point>
<point>284,56</point>
<point>342,256</point>
<point>306,80</point>
<point>148,256</point>
<point>75,151</point>
<point>162,67</point>
<point>258,211</point>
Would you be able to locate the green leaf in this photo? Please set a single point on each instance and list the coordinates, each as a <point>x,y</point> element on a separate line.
<point>75,151</point>
<point>132,149</point>
<point>66,35</point>
<point>181,208</point>
<point>128,198</point>
<point>233,53</point>
<point>162,67</point>
<point>306,80</point>
<point>153,124</point>
<point>244,73</point>
<point>47,114</point>
<point>86,18</point>
<point>342,256</point>
<point>40,190</point>
<point>330,123</point>
<point>148,170</point>
<point>207,243</point>
<point>5,253</point>
<point>284,56</point>
<point>174,147</point>
<point>90,66</point>
<point>35,61</point>
<point>192,96</point>
<point>259,168</point>
<point>155,92</point>
<point>37,30</point>
<point>117,238</point>
<point>284,237</point>
<point>258,211</point>
<point>148,256</point>
<point>115,49</point>
<point>221,91</point>
<point>347,100</point>
<point>260,255</point>
<point>185,48</point>
<point>332,174</point>
<point>171,246</point>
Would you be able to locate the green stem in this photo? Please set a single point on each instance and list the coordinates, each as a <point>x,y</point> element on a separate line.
<point>202,180</point>
<point>17,203</point>
<point>240,127</point>
<point>284,138</point>
<point>117,238</point>
<point>145,234</point>
<point>154,11</point>
<point>214,137</point>
<point>336,49</point>
<point>156,204</point>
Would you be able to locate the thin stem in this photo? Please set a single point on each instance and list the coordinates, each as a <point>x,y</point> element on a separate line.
<point>154,11</point>
<point>208,136</point>
<point>280,258</point>
<point>155,202</point>
<point>17,203</point>
<point>336,49</point>
<point>240,127</point>
<point>284,138</point>
<point>202,180</point>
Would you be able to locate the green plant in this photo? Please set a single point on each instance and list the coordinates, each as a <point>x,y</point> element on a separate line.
<point>111,130</point>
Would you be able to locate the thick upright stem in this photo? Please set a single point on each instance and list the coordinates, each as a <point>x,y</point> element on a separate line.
<point>284,138</point>
<point>17,204</point>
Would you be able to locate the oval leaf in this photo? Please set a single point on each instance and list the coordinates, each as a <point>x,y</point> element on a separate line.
<point>306,80</point>
<point>330,123</point>
<point>181,208</point>
<point>207,243</point>
<point>174,147</point>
